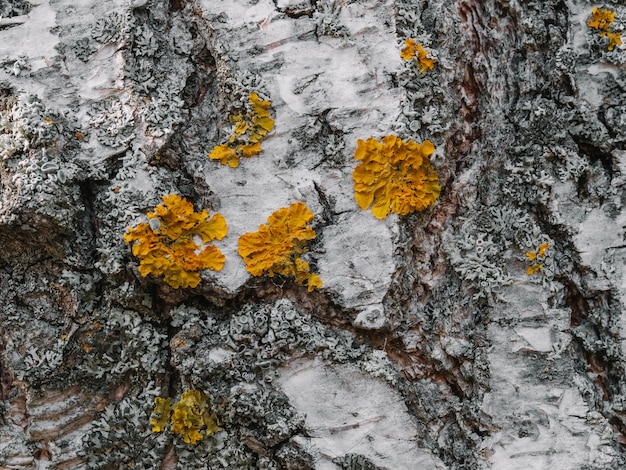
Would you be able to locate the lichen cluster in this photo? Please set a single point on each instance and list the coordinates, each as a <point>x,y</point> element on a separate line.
<point>27,125</point>
<point>250,129</point>
<point>417,52</point>
<point>277,247</point>
<point>536,257</point>
<point>190,417</point>
<point>394,176</point>
<point>601,20</point>
<point>173,243</point>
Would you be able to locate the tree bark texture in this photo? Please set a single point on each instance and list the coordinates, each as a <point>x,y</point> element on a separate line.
<point>486,331</point>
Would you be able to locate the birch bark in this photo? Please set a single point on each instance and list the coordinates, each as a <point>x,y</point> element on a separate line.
<point>484,332</point>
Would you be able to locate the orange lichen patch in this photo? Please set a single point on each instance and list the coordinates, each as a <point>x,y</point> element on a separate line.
<point>249,150</point>
<point>408,52</point>
<point>423,60</point>
<point>615,39</point>
<point>601,21</point>
<point>173,244</point>
<point>417,52</point>
<point>161,414</point>
<point>226,155</point>
<point>79,135</point>
<point>535,257</point>
<point>249,131</point>
<point>541,250</point>
<point>394,176</point>
<point>192,419</point>
<point>277,246</point>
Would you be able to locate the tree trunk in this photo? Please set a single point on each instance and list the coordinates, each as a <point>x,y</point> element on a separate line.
<point>484,331</point>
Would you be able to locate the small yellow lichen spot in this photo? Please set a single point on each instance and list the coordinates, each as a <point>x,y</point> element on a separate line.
<point>192,419</point>
<point>423,60</point>
<point>249,150</point>
<point>277,246</point>
<point>542,249</point>
<point>408,52</point>
<point>161,413</point>
<point>167,245</point>
<point>241,127</point>
<point>48,121</point>
<point>615,39</point>
<point>533,269</point>
<point>601,19</point>
<point>531,255</point>
<point>79,135</point>
<point>225,154</point>
<point>394,176</point>
<point>313,281</point>
<point>250,130</point>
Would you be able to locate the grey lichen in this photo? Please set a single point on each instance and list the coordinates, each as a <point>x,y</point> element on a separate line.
<point>112,440</point>
<point>354,462</point>
<point>11,8</point>
<point>108,28</point>
<point>327,20</point>
<point>253,342</point>
<point>139,348</point>
<point>113,121</point>
<point>27,125</point>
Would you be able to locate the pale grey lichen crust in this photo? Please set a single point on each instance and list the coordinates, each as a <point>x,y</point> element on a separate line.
<point>492,361</point>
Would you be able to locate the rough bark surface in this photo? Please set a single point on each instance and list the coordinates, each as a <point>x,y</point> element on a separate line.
<point>484,332</point>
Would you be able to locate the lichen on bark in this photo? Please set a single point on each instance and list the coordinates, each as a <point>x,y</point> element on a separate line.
<point>430,342</point>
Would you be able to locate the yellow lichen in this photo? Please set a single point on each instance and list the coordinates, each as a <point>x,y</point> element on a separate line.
<point>615,39</point>
<point>249,131</point>
<point>173,244</point>
<point>161,414</point>
<point>190,417</point>
<point>225,154</point>
<point>408,52</point>
<point>535,258</point>
<point>601,20</point>
<point>417,52</point>
<point>394,176</point>
<point>423,60</point>
<point>277,246</point>
<point>541,250</point>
